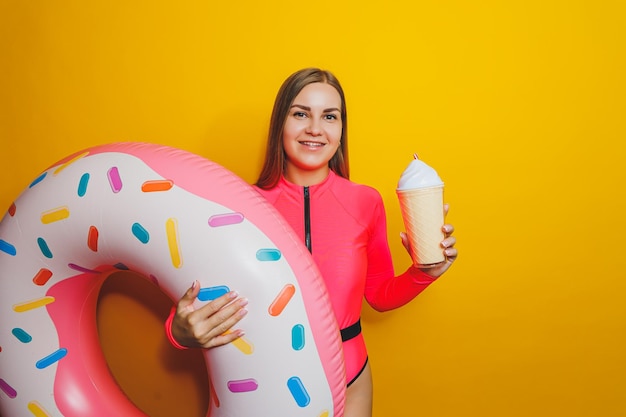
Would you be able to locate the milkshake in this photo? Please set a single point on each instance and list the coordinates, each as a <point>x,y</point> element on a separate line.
<point>420,192</point>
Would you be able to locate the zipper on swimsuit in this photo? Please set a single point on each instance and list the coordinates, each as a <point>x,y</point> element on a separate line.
<point>307,219</point>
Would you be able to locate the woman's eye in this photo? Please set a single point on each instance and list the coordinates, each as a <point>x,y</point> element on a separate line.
<point>331,116</point>
<point>299,114</point>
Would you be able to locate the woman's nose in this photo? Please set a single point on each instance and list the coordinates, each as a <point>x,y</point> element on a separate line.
<point>314,127</point>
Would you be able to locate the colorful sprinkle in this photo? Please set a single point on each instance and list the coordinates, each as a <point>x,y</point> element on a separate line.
<point>92,238</point>
<point>114,179</point>
<point>82,185</point>
<point>70,162</point>
<point>297,337</point>
<point>12,209</point>
<point>225,219</point>
<point>242,344</point>
<point>171,229</point>
<point>281,300</point>
<point>325,413</point>
<point>140,233</point>
<point>6,247</point>
<point>22,335</point>
<point>32,304</point>
<point>211,293</point>
<point>156,185</point>
<point>43,246</point>
<point>51,358</point>
<point>121,266</point>
<point>82,269</point>
<point>37,410</point>
<point>7,389</point>
<point>55,215</point>
<point>298,391</point>
<point>38,180</point>
<point>242,385</point>
<point>265,255</point>
<point>42,276</point>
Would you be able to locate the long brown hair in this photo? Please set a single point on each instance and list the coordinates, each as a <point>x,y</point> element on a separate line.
<point>274,163</point>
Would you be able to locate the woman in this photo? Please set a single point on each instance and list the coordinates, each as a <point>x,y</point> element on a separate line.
<point>305,176</point>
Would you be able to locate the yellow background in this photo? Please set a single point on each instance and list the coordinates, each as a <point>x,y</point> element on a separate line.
<point>519,105</point>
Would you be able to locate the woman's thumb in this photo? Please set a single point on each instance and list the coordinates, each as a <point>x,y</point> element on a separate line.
<point>190,295</point>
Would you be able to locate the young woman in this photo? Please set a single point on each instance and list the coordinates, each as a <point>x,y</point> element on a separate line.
<point>305,176</point>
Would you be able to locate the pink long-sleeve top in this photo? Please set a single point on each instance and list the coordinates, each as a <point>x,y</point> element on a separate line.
<point>344,224</point>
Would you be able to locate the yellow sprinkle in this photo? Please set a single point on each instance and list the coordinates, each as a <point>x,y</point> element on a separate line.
<point>171,229</point>
<point>68,163</point>
<point>55,215</point>
<point>37,410</point>
<point>30,305</point>
<point>324,414</point>
<point>242,344</point>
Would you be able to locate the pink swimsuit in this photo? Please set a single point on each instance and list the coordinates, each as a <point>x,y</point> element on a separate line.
<point>345,228</point>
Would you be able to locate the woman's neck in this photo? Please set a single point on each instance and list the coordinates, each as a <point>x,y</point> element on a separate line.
<point>305,178</point>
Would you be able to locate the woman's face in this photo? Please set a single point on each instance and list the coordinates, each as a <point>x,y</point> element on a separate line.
<point>312,133</point>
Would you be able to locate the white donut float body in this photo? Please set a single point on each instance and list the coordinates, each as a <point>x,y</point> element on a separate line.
<point>174,217</point>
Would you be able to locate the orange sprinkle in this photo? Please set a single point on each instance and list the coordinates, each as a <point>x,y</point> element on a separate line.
<point>42,276</point>
<point>92,238</point>
<point>281,301</point>
<point>12,209</point>
<point>156,185</point>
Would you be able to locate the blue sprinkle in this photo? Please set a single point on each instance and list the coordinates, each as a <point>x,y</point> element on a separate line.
<point>298,391</point>
<point>121,266</point>
<point>82,185</point>
<point>51,358</point>
<point>38,180</point>
<point>211,293</point>
<point>265,255</point>
<point>297,337</point>
<point>7,248</point>
<point>140,233</point>
<point>21,335</point>
<point>44,247</point>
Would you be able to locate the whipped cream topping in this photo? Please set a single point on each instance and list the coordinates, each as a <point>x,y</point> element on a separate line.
<point>418,175</point>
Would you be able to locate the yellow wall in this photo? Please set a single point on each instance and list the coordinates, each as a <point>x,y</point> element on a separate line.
<point>519,105</point>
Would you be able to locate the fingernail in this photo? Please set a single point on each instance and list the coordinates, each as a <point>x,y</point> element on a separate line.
<point>243,302</point>
<point>232,294</point>
<point>193,286</point>
<point>242,312</point>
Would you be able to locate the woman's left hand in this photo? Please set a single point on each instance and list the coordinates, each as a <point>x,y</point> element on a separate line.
<point>447,244</point>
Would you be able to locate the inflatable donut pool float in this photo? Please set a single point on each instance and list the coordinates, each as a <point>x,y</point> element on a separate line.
<point>172,217</point>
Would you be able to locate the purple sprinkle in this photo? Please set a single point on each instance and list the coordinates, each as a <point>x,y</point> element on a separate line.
<point>7,389</point>
<point>242,385</point>
<point>114,179</point>
<point>225,219</point>
<point>82,269</point>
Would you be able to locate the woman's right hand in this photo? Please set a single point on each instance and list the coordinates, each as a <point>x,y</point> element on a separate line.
<point>208,326</point>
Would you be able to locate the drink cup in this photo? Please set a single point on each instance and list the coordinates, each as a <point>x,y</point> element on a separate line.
<point>422,213</point>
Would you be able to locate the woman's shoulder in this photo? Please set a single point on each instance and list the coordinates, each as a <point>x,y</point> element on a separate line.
<point>353,191</point>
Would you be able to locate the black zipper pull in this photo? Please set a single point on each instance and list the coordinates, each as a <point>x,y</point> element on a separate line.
<point>307,219</point>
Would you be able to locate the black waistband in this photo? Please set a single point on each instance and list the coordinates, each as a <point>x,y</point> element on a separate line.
<point>351,331</point>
